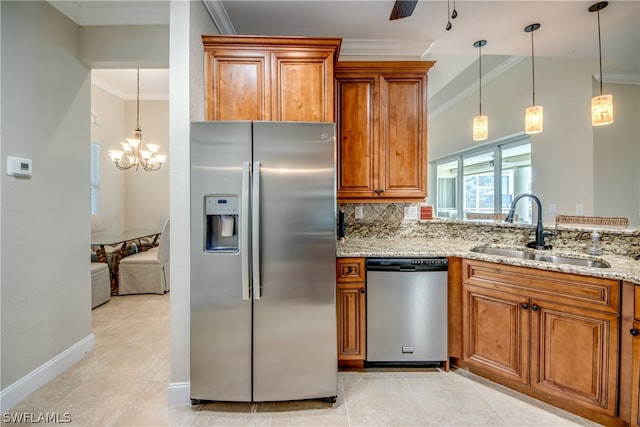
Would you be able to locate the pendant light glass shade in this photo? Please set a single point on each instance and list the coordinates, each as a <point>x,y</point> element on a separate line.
<point>533,115</point>
<point>480,128</point>
<point>480,122</point>
<point>602,110</point>
<point>602,105</point>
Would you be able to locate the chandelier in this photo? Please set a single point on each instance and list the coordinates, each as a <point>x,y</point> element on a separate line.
<point>136,152</point>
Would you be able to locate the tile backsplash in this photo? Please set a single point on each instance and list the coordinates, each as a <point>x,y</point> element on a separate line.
<point>386,220</point>
<point>387,213</point>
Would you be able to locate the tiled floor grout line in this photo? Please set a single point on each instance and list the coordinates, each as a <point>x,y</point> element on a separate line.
<point>368,397</point>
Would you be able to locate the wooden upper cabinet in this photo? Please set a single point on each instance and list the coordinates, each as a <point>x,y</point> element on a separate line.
<point>382,130</point>
<point>269,78</point>
<point>238,85</point>
<point>357,116</point>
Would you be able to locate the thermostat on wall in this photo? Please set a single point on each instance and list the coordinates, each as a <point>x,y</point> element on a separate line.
<point>18,166</point>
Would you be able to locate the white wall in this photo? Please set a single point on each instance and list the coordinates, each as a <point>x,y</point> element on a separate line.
<point>45,284</point>
<point>45,227</point>
<point>147,193</point>
<point>125,46</point>
<point>188,21</point>
<point>562,155</point>
<point>617,156</point>
<point>109,133</point>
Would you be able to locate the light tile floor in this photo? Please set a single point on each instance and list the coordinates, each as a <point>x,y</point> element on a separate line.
<point>124,383</point>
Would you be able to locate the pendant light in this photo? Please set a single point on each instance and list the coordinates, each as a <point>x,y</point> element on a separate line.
<point>480,122</point>
<point>602,105</point>
<point>533,115</point>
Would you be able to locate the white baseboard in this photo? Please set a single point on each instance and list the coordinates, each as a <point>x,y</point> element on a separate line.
<point>16,392</point>
<point>179,394</point>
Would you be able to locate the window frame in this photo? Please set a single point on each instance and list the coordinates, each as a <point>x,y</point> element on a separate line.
<point>496,148</point>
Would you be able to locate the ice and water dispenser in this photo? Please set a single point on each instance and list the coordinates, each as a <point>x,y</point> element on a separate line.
<point>221,225</point>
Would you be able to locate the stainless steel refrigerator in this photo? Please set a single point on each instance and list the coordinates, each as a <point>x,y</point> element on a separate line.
<point>263,236</point>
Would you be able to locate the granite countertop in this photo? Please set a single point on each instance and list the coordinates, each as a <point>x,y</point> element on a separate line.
<point>622,268</point>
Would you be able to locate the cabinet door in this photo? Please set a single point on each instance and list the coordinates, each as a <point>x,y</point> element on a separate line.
<point>496,332</point>
<point>403,138</point>
<point>351,321</point>
<point>574,355</point>
<point>635,373</point>
<point>357,111</point>
<point>302,86</point>
<point>238,85</point>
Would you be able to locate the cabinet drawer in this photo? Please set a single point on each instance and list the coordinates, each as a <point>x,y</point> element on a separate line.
<point>350,270</point>
<point>637,315</point>
<point>580,291</point>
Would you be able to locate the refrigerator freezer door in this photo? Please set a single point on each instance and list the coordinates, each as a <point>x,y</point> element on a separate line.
<point>294,320</point>
<point>220,317</point>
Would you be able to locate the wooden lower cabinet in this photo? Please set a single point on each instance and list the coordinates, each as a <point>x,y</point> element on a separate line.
<point>496,332</point>
<point>630,355</point>
<point>635,371</point>
<point>351,311</point>
<point>551,335</point>
<point>574,355</point>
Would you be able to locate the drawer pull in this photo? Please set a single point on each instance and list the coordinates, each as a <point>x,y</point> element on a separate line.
<point>634,332</point>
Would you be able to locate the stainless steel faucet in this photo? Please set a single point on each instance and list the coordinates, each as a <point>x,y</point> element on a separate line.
<point>540,233</point>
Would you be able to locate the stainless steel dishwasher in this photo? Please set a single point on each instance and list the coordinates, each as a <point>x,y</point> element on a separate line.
<point>406,310</point>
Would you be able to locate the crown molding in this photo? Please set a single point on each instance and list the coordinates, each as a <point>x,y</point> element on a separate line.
<point>619,78</point>
<point>219,16</point>
<point>108,88</point>
<point>371,47</point>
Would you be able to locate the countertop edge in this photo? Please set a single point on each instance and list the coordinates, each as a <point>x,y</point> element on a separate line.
<point>622,268</point>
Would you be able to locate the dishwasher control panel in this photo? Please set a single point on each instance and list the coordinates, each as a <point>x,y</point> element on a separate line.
<point>407,264</point>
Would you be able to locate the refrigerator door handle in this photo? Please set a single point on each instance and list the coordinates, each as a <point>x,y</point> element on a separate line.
<point>244,230</point>
<point>255,231</point>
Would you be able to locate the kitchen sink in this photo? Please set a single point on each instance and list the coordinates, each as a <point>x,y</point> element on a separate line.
<point>525,254</point>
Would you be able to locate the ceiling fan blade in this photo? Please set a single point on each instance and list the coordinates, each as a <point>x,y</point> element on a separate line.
<point>402,9</point>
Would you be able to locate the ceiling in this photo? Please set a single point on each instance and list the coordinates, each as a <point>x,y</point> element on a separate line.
<point>568,30</point>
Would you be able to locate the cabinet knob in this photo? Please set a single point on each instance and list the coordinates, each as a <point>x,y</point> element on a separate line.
<point>634,332</point>
<point>378,191</point>
<point>524,306</point>
<point>534,307</point>
<point>363,291</point>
